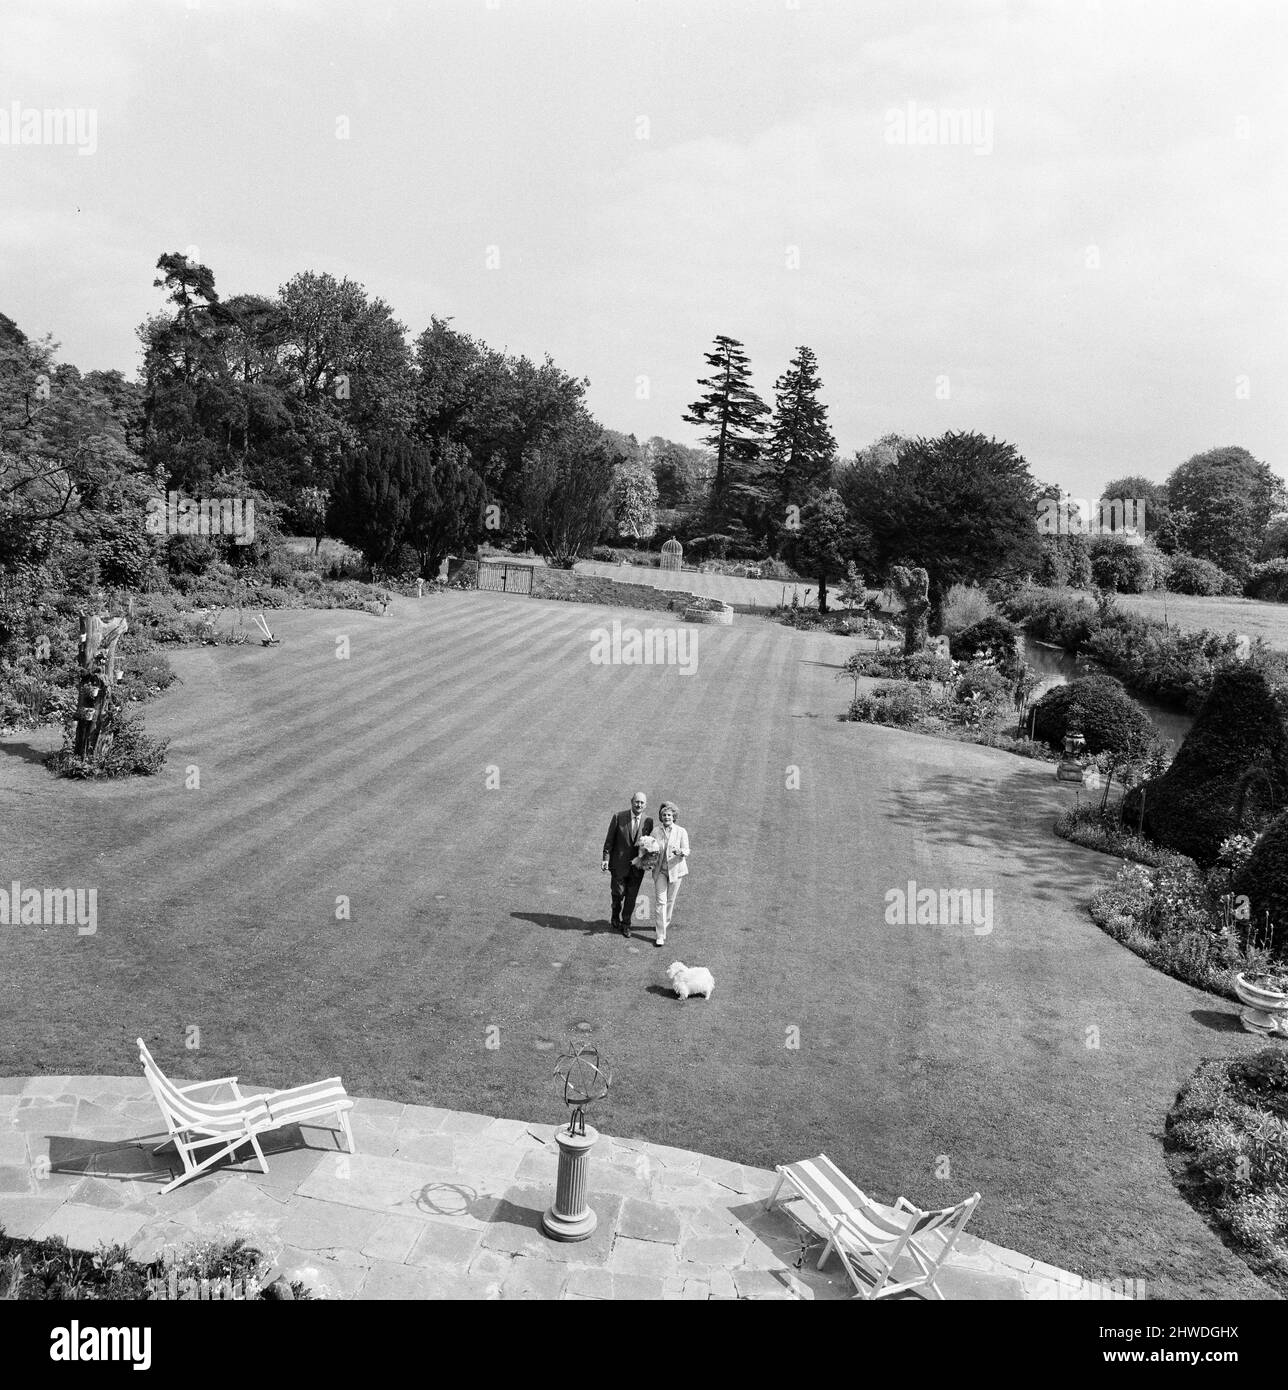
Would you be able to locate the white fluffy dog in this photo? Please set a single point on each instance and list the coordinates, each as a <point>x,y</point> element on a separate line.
<point>690,979</point>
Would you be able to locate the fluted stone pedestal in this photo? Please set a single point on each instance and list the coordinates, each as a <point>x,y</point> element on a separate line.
<point>571,1217</point>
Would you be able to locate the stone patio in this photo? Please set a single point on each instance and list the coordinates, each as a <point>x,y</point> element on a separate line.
<point>437,1204</point>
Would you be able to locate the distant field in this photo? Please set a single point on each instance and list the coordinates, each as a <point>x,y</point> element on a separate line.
<point>1251,616</point>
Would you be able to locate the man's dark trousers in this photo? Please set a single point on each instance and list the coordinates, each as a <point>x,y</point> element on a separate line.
<point>619,850</point>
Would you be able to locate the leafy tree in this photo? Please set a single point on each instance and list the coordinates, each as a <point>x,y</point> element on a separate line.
<point>635,500</point>
<point>309,513</point>
<point>447,508</point>
<point>566,491</point>
<point>372,498</point>
<point>1275,544</point>
<point>500,408</point>
<point>682,473</point>
<point>960,506</point>
<point>348,369</point>
<point>733,416</point>
<point>192,407</point>
<point>882,453</point>
<point>822,547</point>
<point>67,466</point>
<point>1153,497</point>
<point>802,448</point>
<point>1229,498</point>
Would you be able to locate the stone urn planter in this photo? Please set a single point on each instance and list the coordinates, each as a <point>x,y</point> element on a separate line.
<point>709,611</point>
<point>1267,1009</point>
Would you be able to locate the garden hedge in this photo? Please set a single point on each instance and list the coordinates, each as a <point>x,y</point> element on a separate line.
<point>1230,774</point>
<point>1264,880</point>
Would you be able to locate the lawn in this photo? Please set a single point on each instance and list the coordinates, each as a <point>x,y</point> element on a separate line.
<point>452,779</point>
<point>1191,613</point>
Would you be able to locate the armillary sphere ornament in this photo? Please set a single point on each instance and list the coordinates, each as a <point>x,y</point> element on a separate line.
<point>584,1078</point>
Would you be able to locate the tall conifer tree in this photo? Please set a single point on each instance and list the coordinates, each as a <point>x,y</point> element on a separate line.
<point>734,417</point>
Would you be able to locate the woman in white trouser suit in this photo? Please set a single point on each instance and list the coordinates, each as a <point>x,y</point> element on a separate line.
<point>672,865</point>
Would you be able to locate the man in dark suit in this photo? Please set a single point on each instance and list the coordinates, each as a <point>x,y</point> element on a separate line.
<point>621,846</point>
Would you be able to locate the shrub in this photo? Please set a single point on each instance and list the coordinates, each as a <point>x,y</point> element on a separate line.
<point>1188,574</point>
<point>1053,563</point>
<point>406,563</point>
<point>1122,566</point>
<point>1167,916</point>
<point>1057,616</point>
<point>964,606</point>
<point>992,638</point>
<point>900,706</point>
<point>124,751</point>
<point>1263,878</point>
<point>1172,666</point>
<point>713,547</point>
<point>1110,720</point>
<point>920,666</point>
<point>187,555</point>
<point>1230,774</point>
<point>1087,825</point>
<point>147,670</point>
<point>1268,580</point>
<point>979,693</point>
<point>48,1270</point>
<point>1229,1127</point>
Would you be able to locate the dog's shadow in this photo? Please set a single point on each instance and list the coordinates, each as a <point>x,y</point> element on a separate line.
<point>665,991</point>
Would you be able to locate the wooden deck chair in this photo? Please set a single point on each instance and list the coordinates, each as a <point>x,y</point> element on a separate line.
<point>871,1238</point>
<point>225,1126</point>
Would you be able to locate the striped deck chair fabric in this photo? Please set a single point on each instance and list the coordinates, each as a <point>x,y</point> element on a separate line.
<point>203,1132</point>
<point>871,1238</point>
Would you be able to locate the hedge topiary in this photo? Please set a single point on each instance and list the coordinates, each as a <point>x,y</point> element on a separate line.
<point>992,636</point>
<point>1110,720</point>
<point>1230,775</point>
<point>1264,880</point>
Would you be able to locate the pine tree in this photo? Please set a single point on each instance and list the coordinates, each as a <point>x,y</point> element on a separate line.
<point>734,418</point>
<point>802,447</point>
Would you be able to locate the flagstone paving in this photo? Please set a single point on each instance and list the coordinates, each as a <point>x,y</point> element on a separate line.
<point>437,1204</point>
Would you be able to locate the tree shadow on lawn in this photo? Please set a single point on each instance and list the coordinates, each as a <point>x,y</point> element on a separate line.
<point>1012,816</point>
<point>555,921</point>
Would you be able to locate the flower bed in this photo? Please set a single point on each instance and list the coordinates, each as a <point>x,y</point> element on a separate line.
<point>1227,1139</point>
<point>32,1270</point>
<point>1182,922</point>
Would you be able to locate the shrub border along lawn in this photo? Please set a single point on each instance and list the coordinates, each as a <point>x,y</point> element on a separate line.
<point>222,1269</point>
<point>1158,882</point>
<point>1226,1141</point>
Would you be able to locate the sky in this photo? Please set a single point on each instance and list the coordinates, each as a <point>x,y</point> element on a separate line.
<point>1060,224</point>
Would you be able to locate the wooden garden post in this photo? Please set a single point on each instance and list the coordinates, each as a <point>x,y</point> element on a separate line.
<point>97,663</point>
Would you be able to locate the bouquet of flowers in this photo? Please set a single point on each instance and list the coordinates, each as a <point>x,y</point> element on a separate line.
<point>650,852</point>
